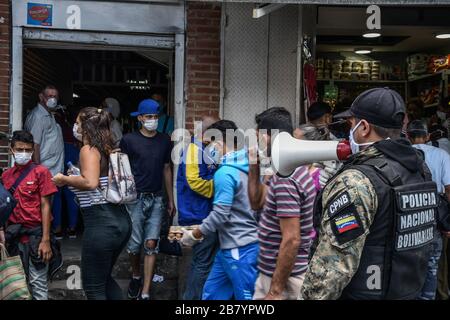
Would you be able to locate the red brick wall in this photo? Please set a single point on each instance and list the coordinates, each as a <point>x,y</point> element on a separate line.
<point>202,60</point>
<point>5,75</point>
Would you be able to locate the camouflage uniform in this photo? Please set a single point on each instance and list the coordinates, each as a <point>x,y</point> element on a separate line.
<point>335,263</point>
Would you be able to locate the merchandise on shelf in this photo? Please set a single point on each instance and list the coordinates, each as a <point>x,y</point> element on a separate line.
<point>438,63</point>
<point>417,64</point>
<point>429,95</point>
<point>358,70</point>
<point>330,95</point>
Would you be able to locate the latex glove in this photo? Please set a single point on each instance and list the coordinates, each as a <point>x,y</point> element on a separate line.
<point>329,170</point>
<point>188,238</point>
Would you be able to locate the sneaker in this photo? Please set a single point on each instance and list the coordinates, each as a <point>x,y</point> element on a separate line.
<point>143,298</point>
<point>72,233</point>
<point>59,236</point>
<point>134,288</point>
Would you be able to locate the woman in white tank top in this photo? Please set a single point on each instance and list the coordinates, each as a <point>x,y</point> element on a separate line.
<point>107,226</point>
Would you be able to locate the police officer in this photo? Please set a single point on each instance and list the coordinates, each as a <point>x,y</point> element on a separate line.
<point>377,214</point>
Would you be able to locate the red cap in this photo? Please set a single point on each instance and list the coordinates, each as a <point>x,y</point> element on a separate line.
<point>343,150</point>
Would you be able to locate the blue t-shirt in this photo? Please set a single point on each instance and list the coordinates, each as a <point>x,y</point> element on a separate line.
<point>147,158</point>
<point>438,161</point>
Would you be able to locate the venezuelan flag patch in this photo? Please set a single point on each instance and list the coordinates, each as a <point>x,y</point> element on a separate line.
<point>346,223</point>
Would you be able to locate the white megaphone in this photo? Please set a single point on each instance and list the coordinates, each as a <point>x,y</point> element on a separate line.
<point>288,153</point>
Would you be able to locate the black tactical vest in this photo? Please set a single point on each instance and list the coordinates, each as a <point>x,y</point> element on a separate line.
<point>395,256</point>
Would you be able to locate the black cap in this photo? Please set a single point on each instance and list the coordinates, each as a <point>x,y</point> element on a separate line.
<point>417,126</point>
<point>318,110</point>
<point>379,106</point>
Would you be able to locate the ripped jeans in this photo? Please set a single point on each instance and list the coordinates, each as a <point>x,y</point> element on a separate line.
<point>430,285</point>
<point>146,217</point>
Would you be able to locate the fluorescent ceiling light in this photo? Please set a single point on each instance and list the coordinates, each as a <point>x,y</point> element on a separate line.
<point>443,36</point>
<point>363,50</point>
<point>371,35</point>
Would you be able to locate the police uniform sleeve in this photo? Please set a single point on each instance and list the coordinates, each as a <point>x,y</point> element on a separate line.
<point>349,206</point>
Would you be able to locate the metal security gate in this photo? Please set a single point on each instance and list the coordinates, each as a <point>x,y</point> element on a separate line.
<point>260,62</point>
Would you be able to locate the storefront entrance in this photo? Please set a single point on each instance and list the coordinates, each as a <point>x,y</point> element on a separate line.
<point>126,47</point>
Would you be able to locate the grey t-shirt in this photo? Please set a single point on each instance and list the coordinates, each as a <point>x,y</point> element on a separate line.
<point>48,134</point>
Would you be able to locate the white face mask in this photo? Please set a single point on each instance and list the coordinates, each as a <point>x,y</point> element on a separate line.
<point>151,125</point>
<point>76,134</point>
<point>52,103</point>
<point>353,144</point>
<point>441,115</point>
<point>213,153</point>
<point>22,158</point>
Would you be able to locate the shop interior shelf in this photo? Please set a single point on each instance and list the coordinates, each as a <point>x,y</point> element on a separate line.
<point>431,105</point>
<point>426,76</point>
<point>363,81</point>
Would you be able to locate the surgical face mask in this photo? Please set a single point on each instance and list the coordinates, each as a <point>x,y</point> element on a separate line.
<point>353,144</point>
<point>212,153</point>
<point>264,157</point>
<point>151,125</point>
<point>76,134</point>
<point>22,158</point>
<point>441,115</point>
<point>52,103</point>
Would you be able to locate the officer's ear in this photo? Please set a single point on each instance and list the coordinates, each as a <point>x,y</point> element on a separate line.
<point>365,128</point>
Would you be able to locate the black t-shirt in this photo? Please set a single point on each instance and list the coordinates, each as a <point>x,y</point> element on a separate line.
<point>147,158</point>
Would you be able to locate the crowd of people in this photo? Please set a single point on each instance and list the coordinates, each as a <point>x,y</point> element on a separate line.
<point>372,227</point>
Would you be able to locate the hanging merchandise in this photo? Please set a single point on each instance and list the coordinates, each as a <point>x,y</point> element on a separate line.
<point>330,95</point>
<point>438,63</point>
<point>309,74</point>
<point>309,84</point>
<point>417,64</point>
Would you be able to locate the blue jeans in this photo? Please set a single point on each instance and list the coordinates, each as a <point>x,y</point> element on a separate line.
<point>107,228</point>
<point>202,259</point>
<point>146,217</point>
<point>430,285</point>
<point>72,208</point>
<point>233,274</point>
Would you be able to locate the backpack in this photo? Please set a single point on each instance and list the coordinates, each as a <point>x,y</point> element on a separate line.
<point>7,204</point>
<point>121,187</point>
<point>7,201</point>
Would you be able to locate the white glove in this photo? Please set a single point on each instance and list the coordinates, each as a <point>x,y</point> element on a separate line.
<point>329,170</point>
<point>188,239</point>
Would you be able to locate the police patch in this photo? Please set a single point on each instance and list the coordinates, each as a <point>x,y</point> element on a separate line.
<point>346,224</point>
<point>338,203</point>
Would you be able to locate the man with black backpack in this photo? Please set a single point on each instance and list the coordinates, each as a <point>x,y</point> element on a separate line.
<point>28,226</point>
<point>377,214</point>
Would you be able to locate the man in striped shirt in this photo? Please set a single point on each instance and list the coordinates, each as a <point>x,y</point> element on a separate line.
<point>285,225</point>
